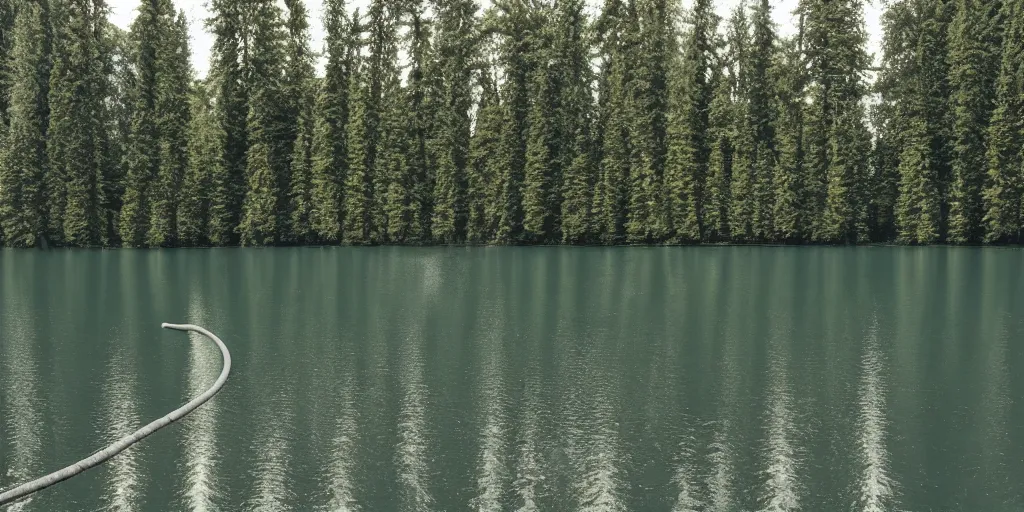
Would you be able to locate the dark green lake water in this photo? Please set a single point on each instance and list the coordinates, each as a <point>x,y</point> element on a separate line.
<point>552,379</point>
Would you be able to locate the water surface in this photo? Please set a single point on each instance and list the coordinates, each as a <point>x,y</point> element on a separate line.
<point>549,379</point>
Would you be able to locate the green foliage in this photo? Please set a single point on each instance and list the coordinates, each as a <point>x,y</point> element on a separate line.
<point>356,227</point>
<point>652,38</point>
<point>455,45</point>
<point>173,79</point>
<point>76,105</point>
<point>23,156</point>
<point>483,186</point>
<point>269,144</point>
<point>1004,212</point>
<point>227,74</point>
<point>205,159</point>
<point>974,41</point>
<point>329,151</point>
<point>789,211</point>
<point>527,123</point>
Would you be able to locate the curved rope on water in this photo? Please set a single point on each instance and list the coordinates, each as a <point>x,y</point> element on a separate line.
<point>120,445</point>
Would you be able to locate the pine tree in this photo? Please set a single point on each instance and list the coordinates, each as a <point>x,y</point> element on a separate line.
<point>141,159</point>
<point>266,156</point>
<point>744,178</point>
<point>916,46</point>
<point>789,211</point>
<point>540,181</point>
<point>456,43</point>
<point>718,191</point>
<point>576,151</point>
<point>647,221</point>
<point>483,191</point>
<point>612,194</point>
<point>835,40</point>
<point>357,190</point>
<point>974,41</point>
<point>762,112</point>
<point>330,153</point>
<point>110,119</point>
<point>1004,212</point>
<point>23,157</point>
<point>419,120</point>
<point>884,182</point>
<point>389,184</point>
<point>76,104</point>
<point>227,73</point>
<point>7,23</point>
<point>173,78</point>
<point>516,26</point>
<point>298,91</point>
<point>205,143</point>
<point>300,205</point>
<point>398,186</point>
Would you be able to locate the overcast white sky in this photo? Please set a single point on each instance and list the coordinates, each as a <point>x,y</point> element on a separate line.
<point>123,11</point>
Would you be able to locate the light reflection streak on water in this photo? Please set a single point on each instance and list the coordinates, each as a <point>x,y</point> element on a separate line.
<point>491,471</point>
<point>343,447</point>
<point>876,487</point>
<point>19,392</point>
<point>781,487</point>
<point>413,442</point>
<point>200,428</point>
<point>121,415</point>
<point>273,462</point>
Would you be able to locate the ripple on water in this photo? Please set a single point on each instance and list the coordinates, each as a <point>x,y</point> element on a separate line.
<point>20,405</point>
<point>876,486</point>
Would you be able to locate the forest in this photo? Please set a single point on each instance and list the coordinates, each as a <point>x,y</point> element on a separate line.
<point>525,122</point>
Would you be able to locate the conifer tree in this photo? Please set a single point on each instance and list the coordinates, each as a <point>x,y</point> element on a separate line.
<point>718,188</point>
<point>357,189</point>
<point>835,40</point>
<point>1004,213</point>
<point>205,143</point>
<point>612,194</point>
<point>576,151</point>
<point>883,186</point>
<point>76,105</point>
<point>173,78</point>
<point>516,26</point>
<point>396,183</point>
<point>974,43</point>
<point>917,31</point>
<point>789,211</point>
<point>23,157</point>
<point>388,193</point>
<point>762,112</point>
<point>141,159</point>
<point>483,191</point>
<point>266,156</point>
<point>418,120</point>
<point>111,119</point>
<point>299,229</point>
<point>329,152</point>
<point>653,40</point>
<point>540,180</point>
<point>298,89</point>
<point>7,22</point>
<point>456,45</point>
<point>743,185</point>
<point>228,73</point>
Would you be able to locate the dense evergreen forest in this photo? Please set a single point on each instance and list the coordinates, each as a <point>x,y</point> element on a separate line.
<point>529,122</point>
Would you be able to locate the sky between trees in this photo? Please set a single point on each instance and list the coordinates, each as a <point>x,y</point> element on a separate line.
<point>123,12</point>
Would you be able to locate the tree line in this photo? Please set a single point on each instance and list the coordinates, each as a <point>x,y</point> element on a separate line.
<point>530,122</point>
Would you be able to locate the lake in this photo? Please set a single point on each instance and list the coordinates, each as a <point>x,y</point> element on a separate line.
<point>551,379</point>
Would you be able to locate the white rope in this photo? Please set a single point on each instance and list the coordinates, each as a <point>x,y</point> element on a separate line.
<point>119,446</point>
